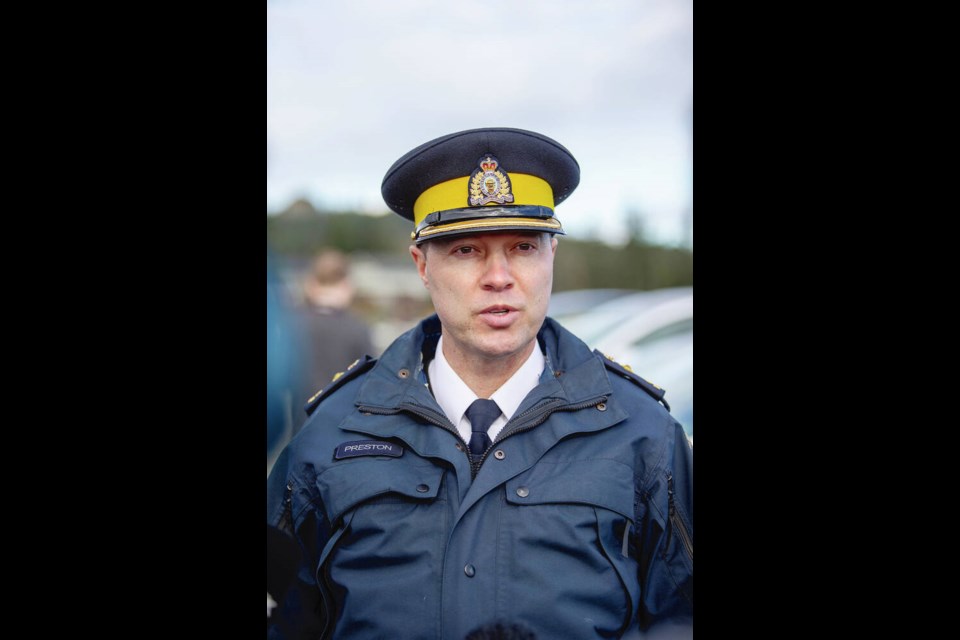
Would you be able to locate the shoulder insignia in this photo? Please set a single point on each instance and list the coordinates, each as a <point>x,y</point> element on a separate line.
<point>356,368</point>
<point>625,371</point>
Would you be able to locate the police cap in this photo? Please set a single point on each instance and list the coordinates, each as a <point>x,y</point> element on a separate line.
<point>481,180</point>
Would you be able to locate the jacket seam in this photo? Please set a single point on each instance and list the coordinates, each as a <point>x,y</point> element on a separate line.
<point>653,474</point>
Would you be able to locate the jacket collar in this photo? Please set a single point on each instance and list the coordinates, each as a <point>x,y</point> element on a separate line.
<point>572,373</point>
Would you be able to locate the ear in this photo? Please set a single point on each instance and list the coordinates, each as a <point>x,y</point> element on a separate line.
<point>553,243</point>
<point>420,259</point>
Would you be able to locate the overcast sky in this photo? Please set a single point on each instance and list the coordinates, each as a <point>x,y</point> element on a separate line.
<point>352,86</point>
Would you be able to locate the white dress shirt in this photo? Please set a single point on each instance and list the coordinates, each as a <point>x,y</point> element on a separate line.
<point>454,396</point>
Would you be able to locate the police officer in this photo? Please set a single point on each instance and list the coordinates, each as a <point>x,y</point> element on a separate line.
<point>489,466</point>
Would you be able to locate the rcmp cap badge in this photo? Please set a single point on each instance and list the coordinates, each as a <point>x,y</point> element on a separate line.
<point>489,184</point>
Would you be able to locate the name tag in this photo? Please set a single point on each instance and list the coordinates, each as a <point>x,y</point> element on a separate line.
<point>367,448</point>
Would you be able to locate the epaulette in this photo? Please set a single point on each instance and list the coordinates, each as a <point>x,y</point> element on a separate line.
<point>339,378</point>
<point>625,371</point>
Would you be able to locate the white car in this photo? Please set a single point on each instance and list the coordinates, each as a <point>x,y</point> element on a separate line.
<point>652,332</point>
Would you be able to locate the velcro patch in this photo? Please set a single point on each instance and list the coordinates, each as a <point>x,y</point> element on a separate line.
<point>367,448</point>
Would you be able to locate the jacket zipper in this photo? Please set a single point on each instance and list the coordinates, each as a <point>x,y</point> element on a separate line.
<point>326,596</point>
<point>676,522</point>
<point>286,518</point>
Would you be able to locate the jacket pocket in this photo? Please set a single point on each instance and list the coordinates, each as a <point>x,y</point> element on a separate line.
<point>391,520</point>
<point>351,482</point>
<point>602,483</point>
<point>571,521</point>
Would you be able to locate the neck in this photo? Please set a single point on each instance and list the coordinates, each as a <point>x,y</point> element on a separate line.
<point>486,375</point>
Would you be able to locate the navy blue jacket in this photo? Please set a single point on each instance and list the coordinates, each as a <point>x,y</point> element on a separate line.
<point>577,524</point>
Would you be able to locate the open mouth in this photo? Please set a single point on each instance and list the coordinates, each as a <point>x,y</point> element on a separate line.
<point>498,310</point>
<point>499,316</point>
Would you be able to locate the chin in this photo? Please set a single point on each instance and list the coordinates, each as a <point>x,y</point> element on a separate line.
<point>503,347</point>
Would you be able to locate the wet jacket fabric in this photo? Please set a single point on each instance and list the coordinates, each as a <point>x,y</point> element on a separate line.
<point>577,524</point>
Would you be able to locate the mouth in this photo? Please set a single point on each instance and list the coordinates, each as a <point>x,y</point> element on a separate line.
<point>498,310</point>
<point>499,316</point>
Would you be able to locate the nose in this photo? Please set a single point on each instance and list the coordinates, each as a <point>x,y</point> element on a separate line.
<point>497,276</point>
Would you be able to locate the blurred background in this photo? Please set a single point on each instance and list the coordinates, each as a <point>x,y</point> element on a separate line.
<point>351,87</point>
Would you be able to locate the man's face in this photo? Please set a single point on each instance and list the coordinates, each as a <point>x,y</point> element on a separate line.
<point>490,290</point>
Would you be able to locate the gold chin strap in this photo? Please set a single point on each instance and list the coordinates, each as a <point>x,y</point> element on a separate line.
<point>551,224</point>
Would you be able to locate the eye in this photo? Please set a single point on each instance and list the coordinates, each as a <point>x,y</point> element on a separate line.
<point>526,246</point>
<point>463,251</point>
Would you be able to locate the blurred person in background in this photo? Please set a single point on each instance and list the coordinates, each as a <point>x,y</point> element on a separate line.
<point>488,466</point>
<point>332,335</point>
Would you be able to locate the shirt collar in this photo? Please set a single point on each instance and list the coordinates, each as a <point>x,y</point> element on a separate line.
<point>454,396</point>
<point>509,396</point>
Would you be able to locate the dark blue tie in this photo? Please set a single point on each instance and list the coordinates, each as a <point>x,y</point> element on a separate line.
<point>481,415</point>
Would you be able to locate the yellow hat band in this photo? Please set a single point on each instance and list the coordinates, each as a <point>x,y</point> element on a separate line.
<point>452,194</point>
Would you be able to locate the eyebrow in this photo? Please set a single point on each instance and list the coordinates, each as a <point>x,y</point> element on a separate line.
<point>446,242</point>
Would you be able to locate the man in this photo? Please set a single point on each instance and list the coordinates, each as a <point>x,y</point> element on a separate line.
<point>489,466</point>
<point>333,335</point>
